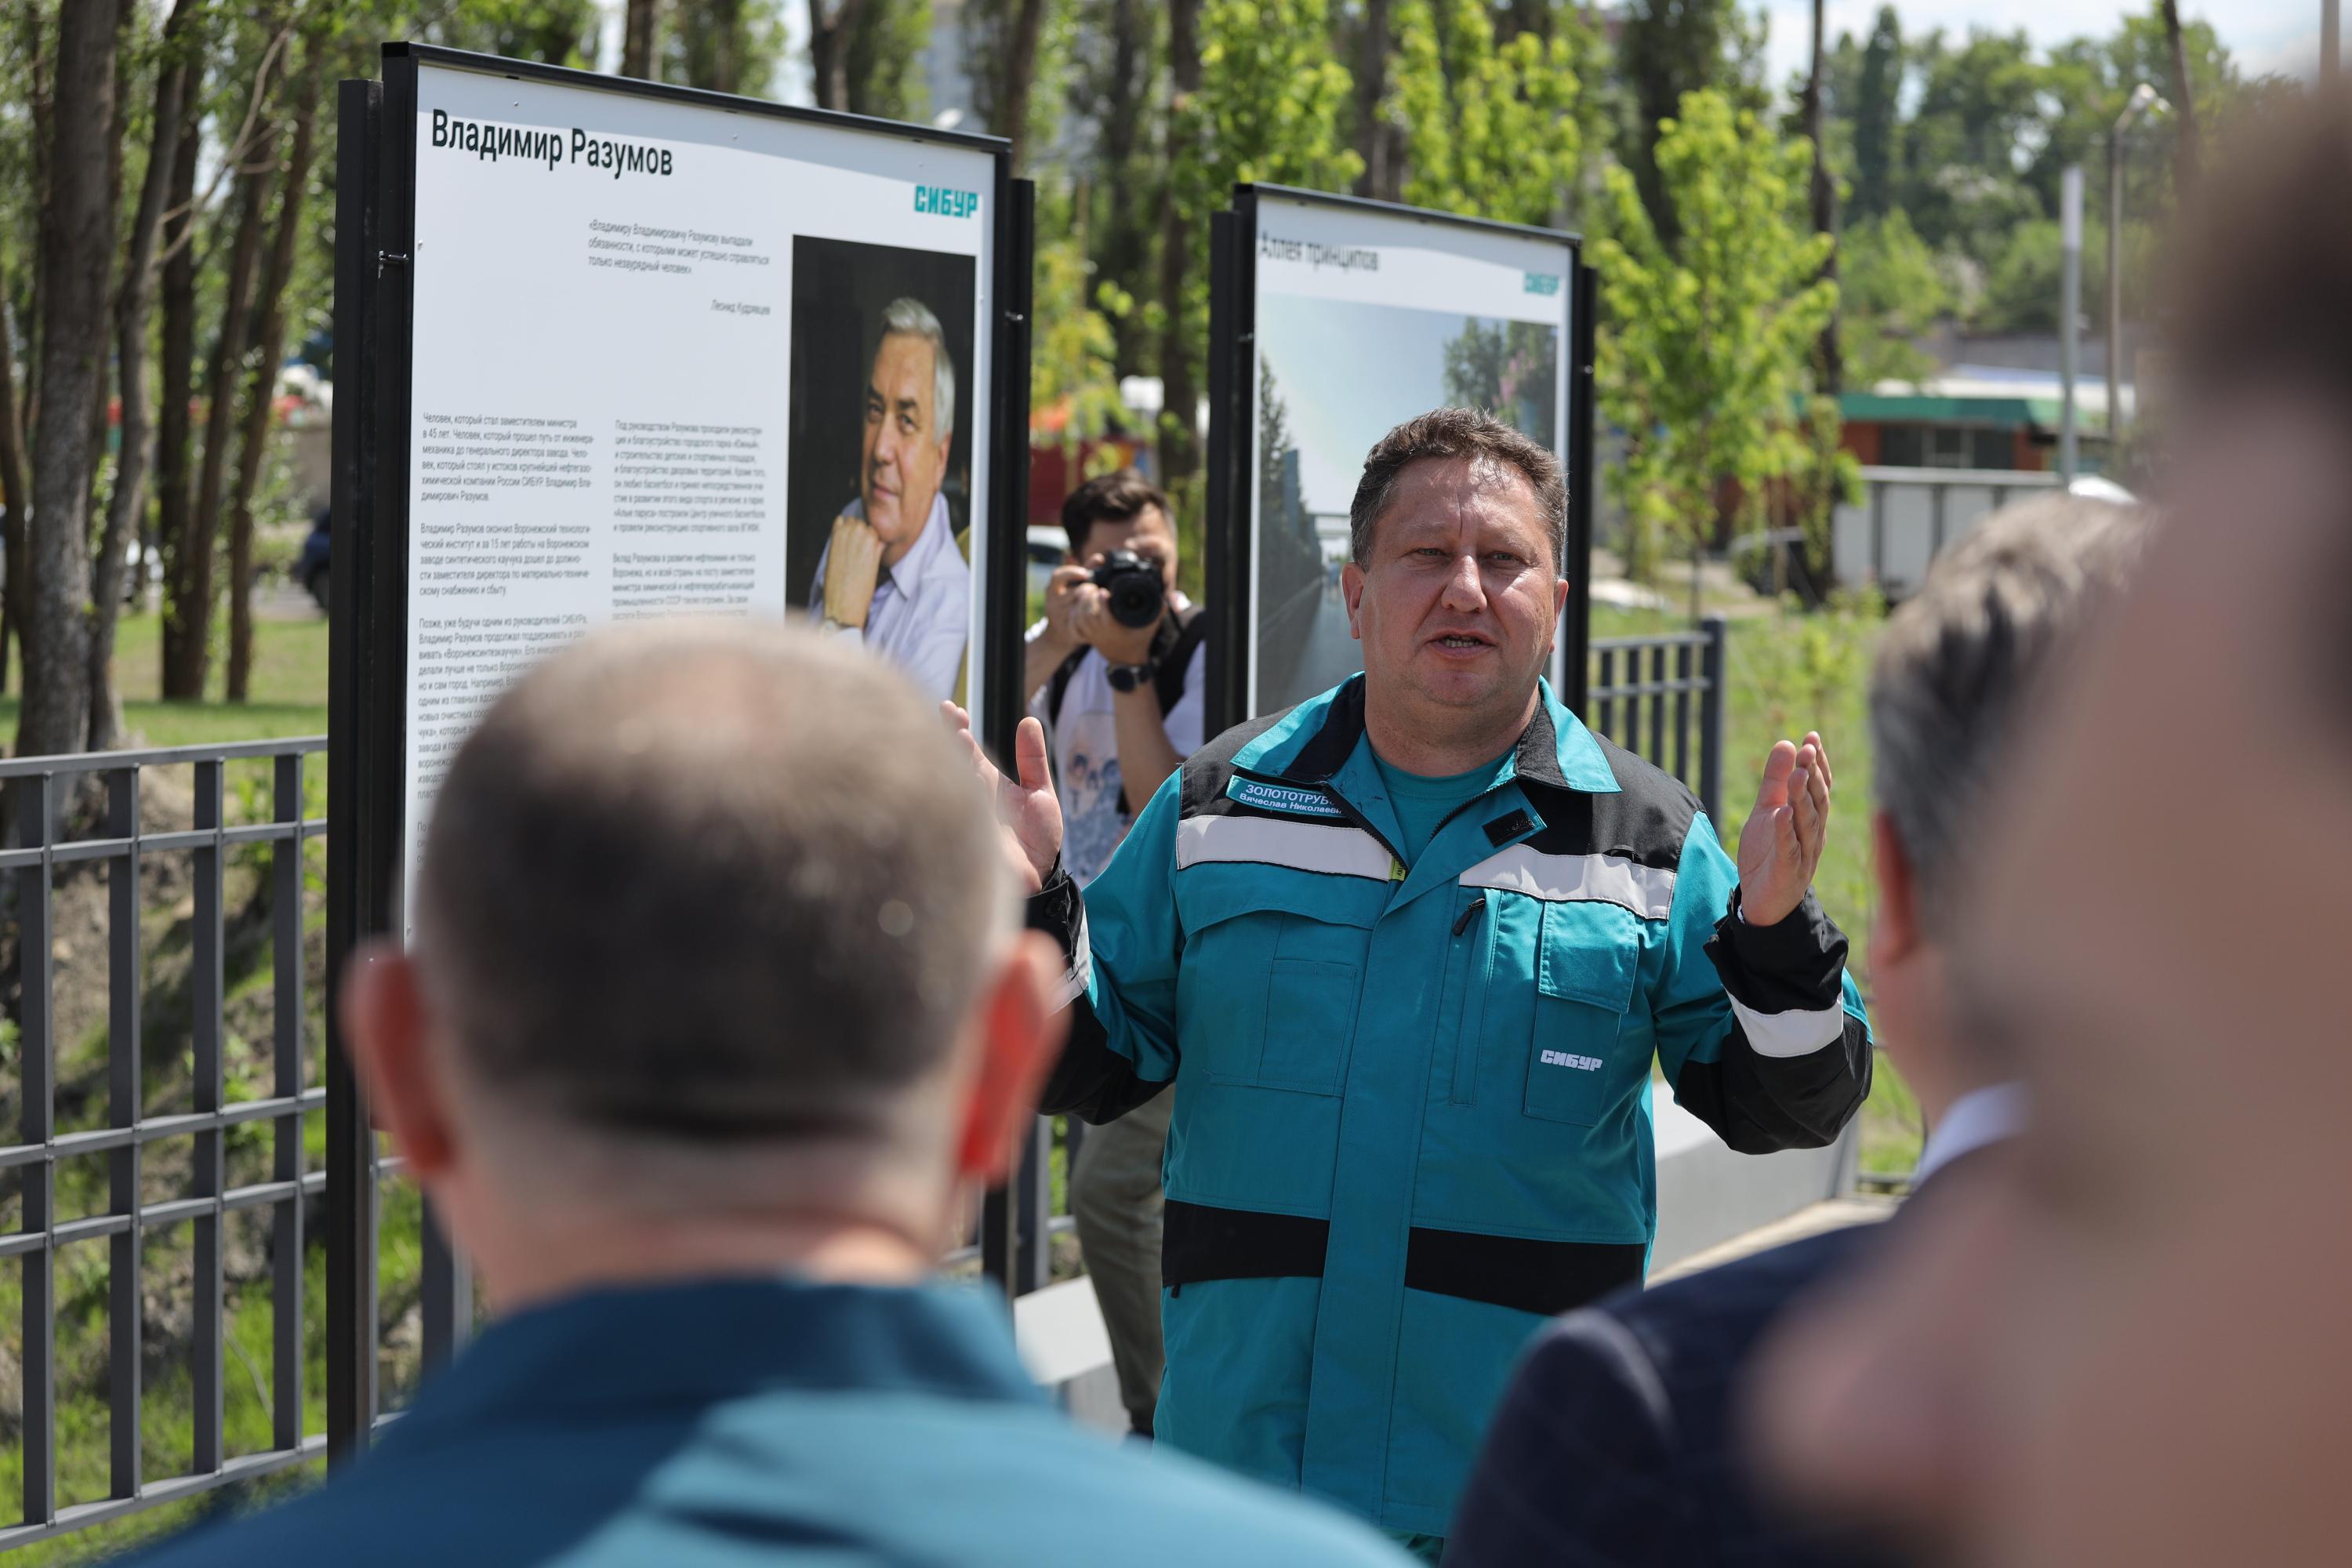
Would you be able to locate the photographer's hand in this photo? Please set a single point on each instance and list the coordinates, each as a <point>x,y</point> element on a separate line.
<point>1092,624</point>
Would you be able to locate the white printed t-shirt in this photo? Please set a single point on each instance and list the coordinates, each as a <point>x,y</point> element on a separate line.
<point>1084,746</point>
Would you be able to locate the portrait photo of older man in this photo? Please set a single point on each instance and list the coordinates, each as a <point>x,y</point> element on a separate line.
<point>891,569</point>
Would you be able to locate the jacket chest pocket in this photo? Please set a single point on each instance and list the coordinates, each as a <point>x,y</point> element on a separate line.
<point>1589,957</point>
<point>1267,998</point>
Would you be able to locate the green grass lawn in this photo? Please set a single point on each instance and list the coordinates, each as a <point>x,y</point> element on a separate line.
<point>1789,673</point>
<point>288,694</point>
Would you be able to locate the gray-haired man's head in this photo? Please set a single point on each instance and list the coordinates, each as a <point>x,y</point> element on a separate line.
<point>910,415</point>
<point>1963,656</point>
<point>697,899</point>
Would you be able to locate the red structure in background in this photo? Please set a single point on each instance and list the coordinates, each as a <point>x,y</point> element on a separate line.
<point>1058,465</point>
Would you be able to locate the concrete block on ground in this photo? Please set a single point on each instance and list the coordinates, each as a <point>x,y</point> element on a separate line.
<point>1707,1193</point>
<point>1060,1334</point>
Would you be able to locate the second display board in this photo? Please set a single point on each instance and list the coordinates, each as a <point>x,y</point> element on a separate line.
<point>1336,320</point>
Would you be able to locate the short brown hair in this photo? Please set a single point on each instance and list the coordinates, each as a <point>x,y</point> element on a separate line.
<point>1119,496</point>
<point>1457,433</point>
<point>1958,661</point>
<point>699,880</point>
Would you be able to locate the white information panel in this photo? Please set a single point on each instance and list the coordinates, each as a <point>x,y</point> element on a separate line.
<point>1364,319</point>
<point>670,357</point>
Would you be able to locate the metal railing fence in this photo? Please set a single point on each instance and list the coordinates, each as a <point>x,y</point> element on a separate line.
<point>1641,696</point>
<point>44,789</point>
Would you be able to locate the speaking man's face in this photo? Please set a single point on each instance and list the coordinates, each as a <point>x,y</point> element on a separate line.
<point>906,452</point>
<point>1457,604</point>
<point>2126,1344</point>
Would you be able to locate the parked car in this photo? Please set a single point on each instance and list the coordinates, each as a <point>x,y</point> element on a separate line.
<point>1047,546</point>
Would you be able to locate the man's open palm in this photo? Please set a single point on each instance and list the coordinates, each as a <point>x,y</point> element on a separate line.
<point>1025,805</point>
<point>1781,847</point>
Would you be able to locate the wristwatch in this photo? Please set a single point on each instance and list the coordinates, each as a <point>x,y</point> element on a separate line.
<point>1129,677</point>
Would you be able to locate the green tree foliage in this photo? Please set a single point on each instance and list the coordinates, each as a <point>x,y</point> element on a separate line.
<point>1979,104</point>
<point>1270,108</point>
<point>1876,110</point>
<point>1892,292</point>
<point>1666,49</point>
<point>1494,129</point>
<point>884,50</point>
<point>1709,337</point>
<point>728,45</point>
<point>1074,364</point>
<point>2023,279</point>
<point>552,31</point>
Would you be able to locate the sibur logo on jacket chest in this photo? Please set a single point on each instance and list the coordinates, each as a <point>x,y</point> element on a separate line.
<point>1564,1059</point>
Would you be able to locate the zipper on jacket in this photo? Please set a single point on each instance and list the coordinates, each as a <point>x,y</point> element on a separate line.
<point>1357,819</point>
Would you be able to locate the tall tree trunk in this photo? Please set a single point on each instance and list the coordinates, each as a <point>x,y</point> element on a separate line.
<point>1180,398</point>
<point>43,99</point>
<point>1371,85</point>
<point>14,495</point>
<point>1121,227</point>
<point>637,39</point>
<point>724,21</point>
<point>188,617</point>
<point>292,208</point>
<point>132,304</point>
<point>1020,78</point>
<point>177,356</point>
<point>1824,194</point>
<point>2183,97</point>
<point>77,243</point>
<point>831,27</point>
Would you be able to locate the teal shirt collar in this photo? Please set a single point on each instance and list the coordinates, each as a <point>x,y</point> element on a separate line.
<point>1318,741</point>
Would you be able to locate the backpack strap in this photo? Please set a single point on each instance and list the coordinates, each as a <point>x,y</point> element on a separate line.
<point>1190,628</point>
<point>1060,683</point>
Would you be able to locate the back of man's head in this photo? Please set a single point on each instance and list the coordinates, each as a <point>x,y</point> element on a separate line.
<point>725,883</point>
<point>1962,657</point>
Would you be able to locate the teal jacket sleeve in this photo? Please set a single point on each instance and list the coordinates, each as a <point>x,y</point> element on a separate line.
<point>1759,1029</point>
<point>1123,941</point>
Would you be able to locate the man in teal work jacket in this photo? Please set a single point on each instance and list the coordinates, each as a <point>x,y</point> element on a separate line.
<point>1406,952</point>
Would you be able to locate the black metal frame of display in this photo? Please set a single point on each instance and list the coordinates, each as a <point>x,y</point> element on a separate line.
<point>368,640</point>
<point>1229,535</point>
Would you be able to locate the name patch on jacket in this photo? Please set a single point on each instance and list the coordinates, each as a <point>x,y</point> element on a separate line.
<point>1282,797</point>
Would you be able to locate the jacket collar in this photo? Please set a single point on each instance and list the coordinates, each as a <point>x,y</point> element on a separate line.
<point>1554,750</point>
<point>704,1342</point>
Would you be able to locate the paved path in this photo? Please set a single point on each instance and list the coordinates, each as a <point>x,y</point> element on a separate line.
<point>1830,1214</point>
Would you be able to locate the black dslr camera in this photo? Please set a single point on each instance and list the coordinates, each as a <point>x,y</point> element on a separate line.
<point>1138,596</point>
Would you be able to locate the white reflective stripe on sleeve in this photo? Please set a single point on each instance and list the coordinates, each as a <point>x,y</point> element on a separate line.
<point>1081,971</point>
<point>1788,1034</point>
<point>1273,841</point>
<point>1647,890</point>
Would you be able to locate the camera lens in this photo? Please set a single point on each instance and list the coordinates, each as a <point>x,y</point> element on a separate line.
<point>1137,595</point>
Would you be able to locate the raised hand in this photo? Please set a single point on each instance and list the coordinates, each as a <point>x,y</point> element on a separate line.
<point>853,566</point>
<point>1025,805</point>
<point>1781,847</point>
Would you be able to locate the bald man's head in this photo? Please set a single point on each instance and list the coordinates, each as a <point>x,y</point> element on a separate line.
<point>723,882</point>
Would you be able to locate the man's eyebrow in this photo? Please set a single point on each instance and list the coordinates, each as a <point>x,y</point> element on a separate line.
<point>909,405</point>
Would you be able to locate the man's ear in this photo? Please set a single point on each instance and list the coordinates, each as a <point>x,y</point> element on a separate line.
<point>385,1030</point>
<point>1894,934</point>
<point>1021,1035</point>
<point>1351,588</point>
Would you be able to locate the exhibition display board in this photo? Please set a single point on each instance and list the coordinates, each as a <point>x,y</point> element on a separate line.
<point>608,349</point>
<point>1334,320</point>
<point>669,352</point>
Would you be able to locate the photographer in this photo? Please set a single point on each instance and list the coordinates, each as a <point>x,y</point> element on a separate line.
<point>1120,700</point>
